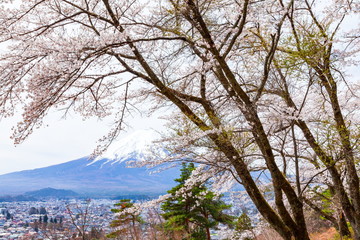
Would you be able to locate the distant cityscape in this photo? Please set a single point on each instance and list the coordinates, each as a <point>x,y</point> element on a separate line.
<point>54,218</point>
<point>53,202</point>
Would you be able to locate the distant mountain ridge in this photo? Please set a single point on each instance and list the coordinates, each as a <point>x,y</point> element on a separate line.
<point>41,194</point>
<point>52,192</point>
<point>105,176</point>
<point>18,198</point>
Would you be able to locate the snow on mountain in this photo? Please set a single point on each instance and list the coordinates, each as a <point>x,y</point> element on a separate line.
<point>107,175</point>
<point>96,179</point>
<point>136,145</point>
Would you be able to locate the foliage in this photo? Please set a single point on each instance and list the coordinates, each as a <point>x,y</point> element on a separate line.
<point>253,85</point>
<point>126,224</point>
<point>243,223</point>
<point>193,210</point>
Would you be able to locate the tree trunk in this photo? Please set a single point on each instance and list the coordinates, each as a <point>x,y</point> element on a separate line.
<point>208,236</point>
<point>343,227</point>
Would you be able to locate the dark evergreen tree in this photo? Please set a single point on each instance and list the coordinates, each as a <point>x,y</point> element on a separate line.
<point>126,224</point>
<point>46,218</point>
<point>3,211</point>
<point>42,211</point>
<point>243,223</point>
<point>195,211</point>
<point>33,210</point>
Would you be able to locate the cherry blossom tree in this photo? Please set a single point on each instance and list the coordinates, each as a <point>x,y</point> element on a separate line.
<point>330,131</point>
<point>255,86</point>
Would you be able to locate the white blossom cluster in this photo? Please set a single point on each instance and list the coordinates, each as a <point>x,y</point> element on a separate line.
<point>253,86</point>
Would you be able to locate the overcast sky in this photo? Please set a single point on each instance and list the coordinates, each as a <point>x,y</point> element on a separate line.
<point>61,141</point>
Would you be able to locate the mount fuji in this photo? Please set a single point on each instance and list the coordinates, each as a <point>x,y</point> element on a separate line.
<point>105,176</point>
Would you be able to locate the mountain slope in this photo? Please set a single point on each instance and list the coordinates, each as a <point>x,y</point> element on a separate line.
<point>99,178</point>
<point>107,175</point>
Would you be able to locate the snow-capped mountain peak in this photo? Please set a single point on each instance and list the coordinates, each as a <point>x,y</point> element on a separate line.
<point>136,145</point>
